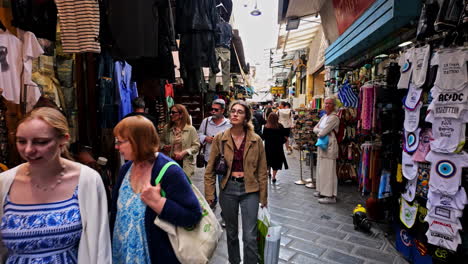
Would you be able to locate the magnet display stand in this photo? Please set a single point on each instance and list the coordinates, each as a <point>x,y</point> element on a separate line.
<point>301,181</point>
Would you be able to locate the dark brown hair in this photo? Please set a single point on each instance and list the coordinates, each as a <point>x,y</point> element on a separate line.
<point>272,121</point>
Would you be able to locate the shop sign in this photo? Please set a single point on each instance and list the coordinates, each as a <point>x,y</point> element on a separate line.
<point>277,90</point>
<point>347,11</point>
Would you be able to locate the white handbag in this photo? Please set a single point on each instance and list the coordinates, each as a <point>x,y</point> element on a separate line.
<point>195,245</point>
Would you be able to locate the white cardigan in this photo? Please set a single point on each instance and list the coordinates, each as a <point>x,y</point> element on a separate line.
<point>95,245</point>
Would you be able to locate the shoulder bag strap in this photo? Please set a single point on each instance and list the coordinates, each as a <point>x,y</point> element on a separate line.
<point>161,174</point>
<point>206,127</point>
<point>222,145</point>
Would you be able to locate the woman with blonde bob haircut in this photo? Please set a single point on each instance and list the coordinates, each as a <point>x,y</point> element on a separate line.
<point>136,201</point>
<point>68,198</point>
<point>180,139</point>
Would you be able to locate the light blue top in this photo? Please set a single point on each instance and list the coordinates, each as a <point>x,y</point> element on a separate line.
<point>126,87</point>
<point>129,241</point>
<point>211,130</point>
<point>42,233</point>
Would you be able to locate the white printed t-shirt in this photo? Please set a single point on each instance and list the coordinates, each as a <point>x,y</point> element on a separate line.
<point>451,73</point>
<point>445,213</point>
<point>412,118</point>
<point>443,227</point>
<point>442,240</point>
<point>448,133</point>
<point>457,201</point>
<point>449,104</point>
<point>11,66</point>
<point>420,59</point>
<point>406,68</point>
<point>31,50</point>
<point>446,171</point>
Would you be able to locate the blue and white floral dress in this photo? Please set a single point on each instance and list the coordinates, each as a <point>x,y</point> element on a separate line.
<point>129,243</point>
<point>42,233</point>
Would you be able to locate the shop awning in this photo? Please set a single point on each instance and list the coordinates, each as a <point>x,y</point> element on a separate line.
<point>382,19</point>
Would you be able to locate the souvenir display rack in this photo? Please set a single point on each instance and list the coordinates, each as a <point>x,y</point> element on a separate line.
<point>305,119</point>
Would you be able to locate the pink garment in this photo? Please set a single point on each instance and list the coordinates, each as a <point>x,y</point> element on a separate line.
<point>367,106</point>
<point>424,145</point>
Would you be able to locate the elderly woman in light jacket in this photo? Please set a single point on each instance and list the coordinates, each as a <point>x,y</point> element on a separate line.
<point>179,139</point>
<point>327,181</point>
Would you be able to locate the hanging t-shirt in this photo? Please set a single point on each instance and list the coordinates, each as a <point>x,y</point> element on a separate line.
<point>451,73</point>
<point>420,59</point>
<point>424,146</point>
<point>450,104</point>
<point>411,140</point>
<point>445,213</point>
<point>413,97</point>
<point>405,68</point>
<point>448,133</point>
<point>412,118</point>
<point>444,241</point>
<point>410,190</point>
<point>410,168</point>
<point>11,66</point>
<point>443,227</point>
<point>31,50</point>
<point>446,171</point>
<point>408,213</point>
<point>457,201</point>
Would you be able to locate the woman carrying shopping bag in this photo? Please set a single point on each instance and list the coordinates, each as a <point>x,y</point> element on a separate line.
<point>245,181</point>
<point>137,202</point>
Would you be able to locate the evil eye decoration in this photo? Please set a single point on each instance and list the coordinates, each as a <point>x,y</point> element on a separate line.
<point>406,67</point>
<point>411,139</point>
<point>446,169</point>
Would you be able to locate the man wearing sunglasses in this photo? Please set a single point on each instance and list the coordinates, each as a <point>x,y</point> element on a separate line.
<point>211,126</point>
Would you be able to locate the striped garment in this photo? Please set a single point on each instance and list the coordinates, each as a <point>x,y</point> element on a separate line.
<point>79,25</point>
<point>347,96</point>
<point>42,233</point>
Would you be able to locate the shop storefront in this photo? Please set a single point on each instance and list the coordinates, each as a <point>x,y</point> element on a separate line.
<point>402,117</point>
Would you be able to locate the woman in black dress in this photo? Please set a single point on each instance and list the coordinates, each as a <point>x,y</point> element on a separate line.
<point>275,136</point>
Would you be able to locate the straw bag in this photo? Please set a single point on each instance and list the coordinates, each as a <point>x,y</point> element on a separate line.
<point>196,244</point>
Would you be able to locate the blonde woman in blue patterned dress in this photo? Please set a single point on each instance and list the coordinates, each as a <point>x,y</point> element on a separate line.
<point>52,210</point>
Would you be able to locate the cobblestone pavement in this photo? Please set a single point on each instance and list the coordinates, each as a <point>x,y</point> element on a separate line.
<point>312,232</point>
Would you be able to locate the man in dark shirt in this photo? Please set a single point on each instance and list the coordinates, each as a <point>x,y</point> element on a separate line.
<point>139,105</point>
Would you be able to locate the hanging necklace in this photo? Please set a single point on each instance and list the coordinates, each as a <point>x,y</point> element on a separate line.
<point>49,187</point>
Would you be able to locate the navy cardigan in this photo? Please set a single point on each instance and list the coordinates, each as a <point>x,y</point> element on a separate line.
<point>181,209</point>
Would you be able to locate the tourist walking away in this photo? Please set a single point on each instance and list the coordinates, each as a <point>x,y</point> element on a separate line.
<point>257,119</point>
<point>139,106</point>
<point>179,139</point>
<point>327,181</point>
<point>52,209</point>
<point>136,201</point>
<point>286,119</point>
<point>275,135</point>
<point>245,183</point>
<point>211,126</point>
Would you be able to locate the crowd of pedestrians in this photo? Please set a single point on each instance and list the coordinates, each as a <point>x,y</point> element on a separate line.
<point>55,210</point>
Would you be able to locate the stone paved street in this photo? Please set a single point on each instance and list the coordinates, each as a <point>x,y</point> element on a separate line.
<point>315,233</point>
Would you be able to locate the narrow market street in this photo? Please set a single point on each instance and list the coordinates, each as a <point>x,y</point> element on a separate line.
<point>312,232</point>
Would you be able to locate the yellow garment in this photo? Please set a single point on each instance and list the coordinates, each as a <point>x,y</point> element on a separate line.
<point>50,88</point>
<point>399,175</point>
